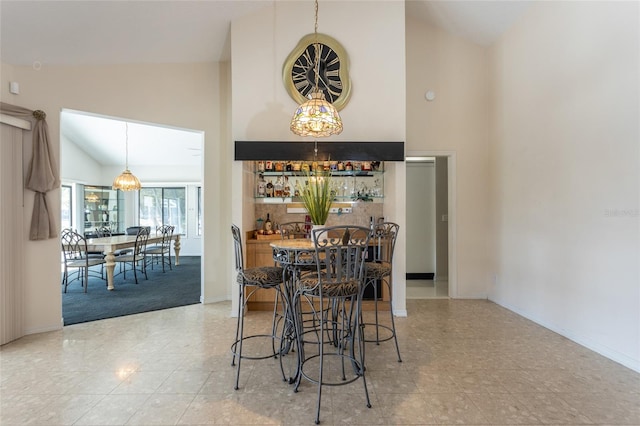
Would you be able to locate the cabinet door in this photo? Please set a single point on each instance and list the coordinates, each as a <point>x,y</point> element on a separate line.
<point>260,254</point>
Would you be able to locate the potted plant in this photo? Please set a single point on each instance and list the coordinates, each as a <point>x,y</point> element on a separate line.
<point>317,196</point>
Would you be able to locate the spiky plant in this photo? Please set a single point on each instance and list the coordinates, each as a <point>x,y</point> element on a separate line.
<point>317,196</point>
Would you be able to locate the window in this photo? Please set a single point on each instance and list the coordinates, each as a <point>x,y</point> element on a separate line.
<point>66,207</point>
<point>163,206</point>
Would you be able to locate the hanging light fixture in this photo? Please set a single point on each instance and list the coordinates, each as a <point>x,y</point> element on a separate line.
<point>316,117</point>
<point>126,181</point>
<point>92,198</point>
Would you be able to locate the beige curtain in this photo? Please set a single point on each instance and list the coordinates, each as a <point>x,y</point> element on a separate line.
<point>42,176</point>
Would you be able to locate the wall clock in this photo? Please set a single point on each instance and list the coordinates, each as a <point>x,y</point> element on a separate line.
<point>299,73</point>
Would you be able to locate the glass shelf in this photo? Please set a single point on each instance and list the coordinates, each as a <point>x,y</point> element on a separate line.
<point>103,206</point>
<point>347,185</point>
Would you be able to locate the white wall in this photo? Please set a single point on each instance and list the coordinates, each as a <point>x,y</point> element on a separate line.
<point>565,172</point>
<point>262,109</point>
<point>178,95</point>
<point>454,124</point>
<point>421,221</point>
<point>77,166</point>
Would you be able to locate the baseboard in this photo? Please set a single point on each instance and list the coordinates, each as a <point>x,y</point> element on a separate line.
<point>43,329</point>
<point>588,343</point>
<point>420,275</point>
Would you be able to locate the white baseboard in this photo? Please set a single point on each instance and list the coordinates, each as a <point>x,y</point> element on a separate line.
<point>44,329</point>
<point>588,343</point>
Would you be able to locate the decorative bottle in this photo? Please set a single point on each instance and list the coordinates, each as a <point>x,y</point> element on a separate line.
<point>268,226</point>
<point>262,187</point>
<point>269,189</point>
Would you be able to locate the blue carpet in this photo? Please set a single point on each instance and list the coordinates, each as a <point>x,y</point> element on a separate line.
<point>170,289</point>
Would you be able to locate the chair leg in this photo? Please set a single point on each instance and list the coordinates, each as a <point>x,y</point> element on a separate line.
<point>239,335</point>
<point>144,268</point>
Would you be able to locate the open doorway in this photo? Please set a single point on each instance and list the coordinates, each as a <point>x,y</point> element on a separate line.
<point>428,219</point>
<point>167,161</point>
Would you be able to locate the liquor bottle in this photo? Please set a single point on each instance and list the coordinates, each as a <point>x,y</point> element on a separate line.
<point>268,226</point>
<point>278,187</point>
<point>262,187</point>
<point>269,189</point>
<point>286,192</point>
<point>261,166</point>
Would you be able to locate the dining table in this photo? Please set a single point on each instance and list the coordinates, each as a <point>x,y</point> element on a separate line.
<point>109,245</point>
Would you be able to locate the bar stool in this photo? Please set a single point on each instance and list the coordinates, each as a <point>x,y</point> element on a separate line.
<point>250,280</point>
<point>333,295</point>
<point>380,269</point>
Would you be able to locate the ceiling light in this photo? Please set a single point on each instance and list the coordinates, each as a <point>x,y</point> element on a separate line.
<point>316,117</point>
<point>92,198</point>
<point>126,181</point>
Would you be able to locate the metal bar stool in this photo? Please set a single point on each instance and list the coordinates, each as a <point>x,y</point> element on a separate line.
<point>332,352</point>
<point>250,280</point>
<point>380,269</point>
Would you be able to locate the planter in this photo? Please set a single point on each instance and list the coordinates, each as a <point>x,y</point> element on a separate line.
<point>313,228</point>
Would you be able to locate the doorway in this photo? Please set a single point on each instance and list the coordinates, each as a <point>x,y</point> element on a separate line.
<point>168,161</point>
<point>428,218</point>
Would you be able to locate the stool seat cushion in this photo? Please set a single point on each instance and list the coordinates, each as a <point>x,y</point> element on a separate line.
<point>309,286</point>
<point>263,276</point>
<point>377,270</point>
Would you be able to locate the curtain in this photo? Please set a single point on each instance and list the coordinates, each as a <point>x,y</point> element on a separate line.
<point>42,175</point>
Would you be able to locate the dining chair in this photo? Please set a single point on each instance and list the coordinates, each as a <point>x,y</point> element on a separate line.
<point>333,344</point>
<point>136,259</point>
<point>76,256</point>
<point>249,281</point>
<point>161,250</point>
<point>378,271</point>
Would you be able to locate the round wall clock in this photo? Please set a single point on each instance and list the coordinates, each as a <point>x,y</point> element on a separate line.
<point>299,73</point>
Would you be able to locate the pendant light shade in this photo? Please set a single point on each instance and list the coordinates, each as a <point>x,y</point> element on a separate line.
<point>316,117</point>
<point>126,181</point>
<point>92,198</point>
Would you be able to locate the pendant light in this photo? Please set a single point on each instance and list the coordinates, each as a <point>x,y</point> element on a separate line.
<point>126,181</point>
<point>316,117</point>
<point>92,198</point>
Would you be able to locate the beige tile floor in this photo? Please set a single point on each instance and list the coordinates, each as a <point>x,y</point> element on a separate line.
<point>465,362</point>
<point>427,289</point>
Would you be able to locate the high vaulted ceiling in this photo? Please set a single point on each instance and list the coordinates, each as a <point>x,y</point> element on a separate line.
<point>116,32</point>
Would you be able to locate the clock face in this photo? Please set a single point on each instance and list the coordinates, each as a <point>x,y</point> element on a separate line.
<point>332,72</point>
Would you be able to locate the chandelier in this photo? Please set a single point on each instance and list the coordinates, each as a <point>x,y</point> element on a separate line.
<point>126,181</point>
<point>92,198</point>
<point>316,117</point>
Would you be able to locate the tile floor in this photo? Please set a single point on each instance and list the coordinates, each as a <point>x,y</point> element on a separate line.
<point>465,362</point>
<point>427,289</point>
